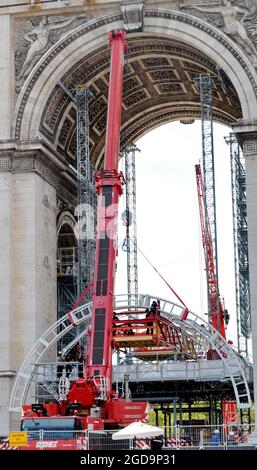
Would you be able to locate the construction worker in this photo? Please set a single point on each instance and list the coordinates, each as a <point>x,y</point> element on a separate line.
<point>60,366</point>
<point>231,438</point>
<point>157,443</point>
<point>68,366</point>
<point>153,309</point>
<point>215,438</point>
<point>148,314</point>
<point>151,313</point>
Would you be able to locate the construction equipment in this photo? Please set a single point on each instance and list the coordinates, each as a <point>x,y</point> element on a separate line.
<point>240,231</point>
<point>90,402</point>
<point>218,315</point>
<point>129,220</point>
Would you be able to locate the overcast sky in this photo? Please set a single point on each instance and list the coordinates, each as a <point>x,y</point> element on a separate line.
<point>168,225</point>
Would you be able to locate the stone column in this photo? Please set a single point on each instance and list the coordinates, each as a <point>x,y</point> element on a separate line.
<point>247,136</point>
<point>27,267</point>
<point>6,76</point>
<point>6,372</point>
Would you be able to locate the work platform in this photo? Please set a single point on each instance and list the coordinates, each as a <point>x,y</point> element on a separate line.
<point>168,371</point>
<point>202,370</point>
<point>160,381</point>
<point>150,336</point>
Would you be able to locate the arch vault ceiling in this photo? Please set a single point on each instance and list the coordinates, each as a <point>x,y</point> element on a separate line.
<point>159,87</point>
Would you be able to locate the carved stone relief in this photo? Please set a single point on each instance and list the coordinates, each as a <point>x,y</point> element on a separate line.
<point>237,19</point>
<point>35,36</point>
<point>45,202</point>
<point>62,208</point>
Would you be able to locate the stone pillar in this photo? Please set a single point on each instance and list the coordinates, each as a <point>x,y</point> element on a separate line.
<point>247,136</point>
<point>27,267</point>
<point>6,372</point>
<point>6,76</point>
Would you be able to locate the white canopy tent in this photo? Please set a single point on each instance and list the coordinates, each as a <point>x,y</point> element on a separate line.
<point>137,429</point>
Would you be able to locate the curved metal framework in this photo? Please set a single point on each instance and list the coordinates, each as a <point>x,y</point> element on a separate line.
<point>194,327</point>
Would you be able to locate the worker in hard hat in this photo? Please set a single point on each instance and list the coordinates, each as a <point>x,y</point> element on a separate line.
<point>215,438</point>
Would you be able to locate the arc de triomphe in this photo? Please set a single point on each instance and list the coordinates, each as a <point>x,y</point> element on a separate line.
<point>45,42</point>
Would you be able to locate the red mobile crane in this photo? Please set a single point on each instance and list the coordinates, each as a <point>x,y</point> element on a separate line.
<point>218,315</point>
<point>91,402</point>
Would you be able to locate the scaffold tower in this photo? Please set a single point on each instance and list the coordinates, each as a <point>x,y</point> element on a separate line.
<point>86,193</point>
<point>130,242</point>
<point>205,87</point>
<point>242,282</point>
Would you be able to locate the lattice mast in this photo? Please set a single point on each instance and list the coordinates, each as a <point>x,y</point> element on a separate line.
<point>240,231</point>
<point>131,223</point>
<point>205,86</point>
<point>85,192</point>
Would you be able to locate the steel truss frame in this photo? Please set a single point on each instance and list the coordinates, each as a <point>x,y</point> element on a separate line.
<point>129,154</point>
<point>86,209</point>
<point>205,87</point>
<point>240,230</point>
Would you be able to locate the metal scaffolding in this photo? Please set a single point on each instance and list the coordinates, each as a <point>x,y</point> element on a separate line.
<point>130,243</point>
<point>242,283</point>
<point>86,194</point>
<point>205,87</point>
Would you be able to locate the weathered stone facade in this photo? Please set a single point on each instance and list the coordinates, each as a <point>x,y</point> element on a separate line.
<point>43,43</point>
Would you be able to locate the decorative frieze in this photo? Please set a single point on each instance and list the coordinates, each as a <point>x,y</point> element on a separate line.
<point>5,163</point>
<point>250,147</point>
<point>20,162</point>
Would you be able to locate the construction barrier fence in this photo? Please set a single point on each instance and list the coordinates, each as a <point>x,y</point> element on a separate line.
<point>225,436</point>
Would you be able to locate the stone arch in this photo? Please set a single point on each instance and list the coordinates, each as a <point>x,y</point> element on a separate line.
<point>65,218</point>
<point>92,36</point>
<point>66,244</point>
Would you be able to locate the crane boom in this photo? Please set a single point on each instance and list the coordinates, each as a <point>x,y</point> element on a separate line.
<point>216,308</point>
<point>109,188</point>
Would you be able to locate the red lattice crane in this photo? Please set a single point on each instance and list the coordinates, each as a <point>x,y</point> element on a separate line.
<point>218,315</point>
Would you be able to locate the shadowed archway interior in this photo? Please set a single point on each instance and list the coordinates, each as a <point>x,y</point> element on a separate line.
<point>159,87</point>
